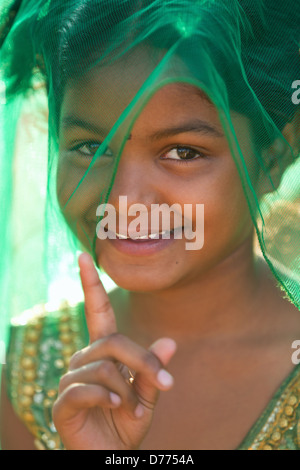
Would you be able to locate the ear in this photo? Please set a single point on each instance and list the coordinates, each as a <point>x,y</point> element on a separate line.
<point>279,155</point>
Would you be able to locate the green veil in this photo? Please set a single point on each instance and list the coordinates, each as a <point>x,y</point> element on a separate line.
<point>242,54</point>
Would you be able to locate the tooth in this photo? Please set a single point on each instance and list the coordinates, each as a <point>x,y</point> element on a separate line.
<point>144,237</point>
<point>121,236</point>
<point>153,235</point>
<point>165,232</point>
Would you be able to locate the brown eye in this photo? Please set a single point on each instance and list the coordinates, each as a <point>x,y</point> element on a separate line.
<point>186,153</point>
<point>183,153</point>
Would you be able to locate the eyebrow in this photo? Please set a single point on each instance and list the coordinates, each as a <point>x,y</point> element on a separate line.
<point>72,122</point>
<point>196,125</point>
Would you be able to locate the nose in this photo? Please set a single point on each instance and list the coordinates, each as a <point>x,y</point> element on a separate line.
<point>136,179</point>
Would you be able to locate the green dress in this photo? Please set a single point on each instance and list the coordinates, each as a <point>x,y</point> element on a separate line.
<point>41,345</point>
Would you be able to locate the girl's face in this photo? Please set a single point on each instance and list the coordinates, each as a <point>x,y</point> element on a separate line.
<point>176,153</point>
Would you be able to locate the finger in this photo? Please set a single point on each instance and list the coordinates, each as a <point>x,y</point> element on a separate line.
<point>78,397</point>
<point>106,374</point>
<point>120,348</point>
<point>100,316</point>
<point>164,349</point>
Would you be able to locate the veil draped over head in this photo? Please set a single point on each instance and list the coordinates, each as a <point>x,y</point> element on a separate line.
<point>242,54</point>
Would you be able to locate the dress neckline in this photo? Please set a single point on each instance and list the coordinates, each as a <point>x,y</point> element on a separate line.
<point>261,422</point>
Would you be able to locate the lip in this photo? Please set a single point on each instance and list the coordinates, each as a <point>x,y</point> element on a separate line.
<point>142,246</point>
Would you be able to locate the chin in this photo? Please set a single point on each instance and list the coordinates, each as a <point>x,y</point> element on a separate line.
<point>137,278</point>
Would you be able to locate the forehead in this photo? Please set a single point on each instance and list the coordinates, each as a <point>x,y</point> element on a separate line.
<point>91,101</point>
<point>111,88</point>
<point>110,85</point>
<point>103,93</point>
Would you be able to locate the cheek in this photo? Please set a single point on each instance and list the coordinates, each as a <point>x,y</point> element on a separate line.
<point>227,219</point>
<point>79,200</point>
<point>68,178</point>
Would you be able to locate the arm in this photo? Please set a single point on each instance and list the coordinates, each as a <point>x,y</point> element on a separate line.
<point>13,433</point>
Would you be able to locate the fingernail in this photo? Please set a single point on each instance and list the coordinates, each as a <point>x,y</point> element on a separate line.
<point>165,378</point>
<point>139,411</point>
<point>85,257</point>
<point>115,399</point>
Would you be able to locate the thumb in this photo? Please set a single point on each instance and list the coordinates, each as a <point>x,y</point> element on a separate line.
<point>148,394</point>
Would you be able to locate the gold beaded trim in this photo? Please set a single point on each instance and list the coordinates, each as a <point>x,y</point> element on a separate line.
<point>23,375</point>
<point>281,421</point>
<point>28,366</point>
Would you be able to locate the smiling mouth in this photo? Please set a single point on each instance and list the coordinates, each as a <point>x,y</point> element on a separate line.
<point>163,235</point>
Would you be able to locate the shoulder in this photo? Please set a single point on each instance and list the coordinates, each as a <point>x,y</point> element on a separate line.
<point>280,423</point>
<point>41,343</point>
<point>41,333</point>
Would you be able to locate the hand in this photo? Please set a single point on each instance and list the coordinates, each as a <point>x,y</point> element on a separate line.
<point>97,408</point>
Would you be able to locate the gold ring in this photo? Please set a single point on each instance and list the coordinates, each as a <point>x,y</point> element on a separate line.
<point>131,378</point>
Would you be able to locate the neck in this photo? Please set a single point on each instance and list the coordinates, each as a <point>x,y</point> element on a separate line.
<point>220,303</point>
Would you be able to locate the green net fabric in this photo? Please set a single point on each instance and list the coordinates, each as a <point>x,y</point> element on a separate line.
<point>89,68</point>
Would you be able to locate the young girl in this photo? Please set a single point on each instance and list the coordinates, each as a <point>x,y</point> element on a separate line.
<point>174,104</point>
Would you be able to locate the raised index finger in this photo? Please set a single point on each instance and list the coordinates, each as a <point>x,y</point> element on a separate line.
<point>99,313</point>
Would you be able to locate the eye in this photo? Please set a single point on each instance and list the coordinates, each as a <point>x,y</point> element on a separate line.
<point>89,149</point>
<point>183,154</point>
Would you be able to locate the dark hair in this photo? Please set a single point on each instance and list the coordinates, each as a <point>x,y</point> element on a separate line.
<point>48,43</point>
